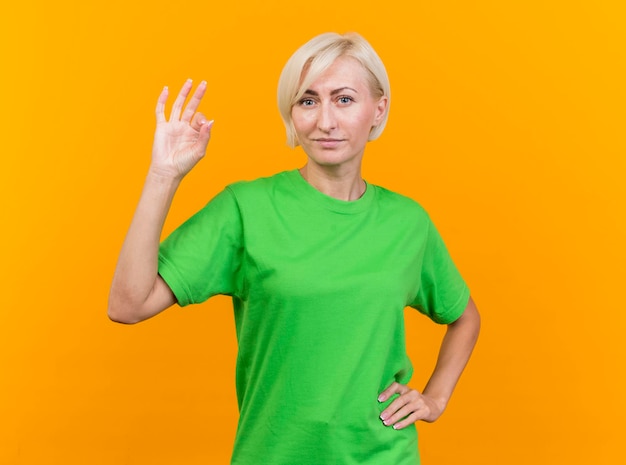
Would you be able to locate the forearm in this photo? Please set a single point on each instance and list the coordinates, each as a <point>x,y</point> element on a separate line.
<point>456,349</point>
<point>136,272</point>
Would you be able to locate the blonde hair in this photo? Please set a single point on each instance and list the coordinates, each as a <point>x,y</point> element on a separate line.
<point>317,55</point>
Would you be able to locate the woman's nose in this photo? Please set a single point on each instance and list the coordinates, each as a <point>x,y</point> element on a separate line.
<point>326,120</point>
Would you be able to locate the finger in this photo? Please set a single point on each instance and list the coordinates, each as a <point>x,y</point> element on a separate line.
<point>397,404</point>
<point>412,418</point>
<point>402,412</point>
<point>394,388</point>
<point>180,100</point>
<point>200,146</point>
<point>204,137</point>
<point>160,107</point>
<point>194,102</point>
<point>198,121</point>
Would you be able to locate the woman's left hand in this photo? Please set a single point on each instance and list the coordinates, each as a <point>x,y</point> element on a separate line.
<point>410,406</point>
<point>456,348</point>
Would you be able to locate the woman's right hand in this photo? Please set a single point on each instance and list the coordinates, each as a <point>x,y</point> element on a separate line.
<point>181,141</point>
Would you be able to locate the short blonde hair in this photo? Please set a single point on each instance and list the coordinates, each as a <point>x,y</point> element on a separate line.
<point>317,55</point>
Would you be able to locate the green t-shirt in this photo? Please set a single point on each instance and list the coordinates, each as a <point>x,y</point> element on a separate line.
<point>319,286</point>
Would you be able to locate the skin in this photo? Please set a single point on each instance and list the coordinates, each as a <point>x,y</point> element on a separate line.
<point>332,121</point>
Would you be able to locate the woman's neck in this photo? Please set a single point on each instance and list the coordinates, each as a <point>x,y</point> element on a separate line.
<point>340,184</point>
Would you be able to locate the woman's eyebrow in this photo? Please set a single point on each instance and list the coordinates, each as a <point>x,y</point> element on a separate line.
<point>334,92</point>
<point>341,89</point>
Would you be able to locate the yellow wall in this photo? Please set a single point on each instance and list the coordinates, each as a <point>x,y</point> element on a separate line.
<point>507,124</point>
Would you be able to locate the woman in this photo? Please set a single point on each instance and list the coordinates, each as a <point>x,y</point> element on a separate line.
<point>320,266</point>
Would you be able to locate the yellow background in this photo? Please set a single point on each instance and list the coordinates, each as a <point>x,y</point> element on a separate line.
<point>507,124</point>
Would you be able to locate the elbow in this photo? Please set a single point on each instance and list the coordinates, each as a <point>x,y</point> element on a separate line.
<point>119,312</point>
<point>127,306</point>
<point>122,319</point>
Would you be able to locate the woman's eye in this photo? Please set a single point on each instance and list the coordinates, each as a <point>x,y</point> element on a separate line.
<point>307,102</point>
<point>345,99</point>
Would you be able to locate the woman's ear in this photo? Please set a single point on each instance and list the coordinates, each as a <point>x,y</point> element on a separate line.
<point>381,110</point>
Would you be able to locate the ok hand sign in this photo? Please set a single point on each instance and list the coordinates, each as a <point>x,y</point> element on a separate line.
<point>181,141</point>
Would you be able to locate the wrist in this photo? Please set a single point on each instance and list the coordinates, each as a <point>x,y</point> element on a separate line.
<point>440,400</point>
<point>162,177</point>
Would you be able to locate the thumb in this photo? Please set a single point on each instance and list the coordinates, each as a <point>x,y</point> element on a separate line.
<point>204,136</point>
<point>198,121</point>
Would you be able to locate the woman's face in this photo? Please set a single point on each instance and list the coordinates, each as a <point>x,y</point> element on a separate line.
<point>334,117</point>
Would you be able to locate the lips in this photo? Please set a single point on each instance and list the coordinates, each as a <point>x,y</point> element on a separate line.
<point>328,143</point>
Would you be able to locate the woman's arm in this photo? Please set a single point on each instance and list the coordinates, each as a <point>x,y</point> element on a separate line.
<point>454,354</point>
<point>137,291</point>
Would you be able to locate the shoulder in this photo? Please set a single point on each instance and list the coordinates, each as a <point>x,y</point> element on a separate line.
<point>256,186</point>
<point>400,203</point>
<point>258,196</point>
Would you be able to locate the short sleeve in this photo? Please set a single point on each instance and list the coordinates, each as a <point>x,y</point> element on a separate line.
<point>203,256</point>
<point>443,294</point>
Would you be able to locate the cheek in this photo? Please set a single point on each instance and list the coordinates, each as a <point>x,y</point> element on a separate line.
<point>365,123</point>
<point>301,121</point>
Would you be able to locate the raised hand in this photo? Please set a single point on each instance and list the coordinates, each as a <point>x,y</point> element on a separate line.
<point>181,141</point>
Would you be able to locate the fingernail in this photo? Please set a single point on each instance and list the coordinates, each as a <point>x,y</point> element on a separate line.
<point>380,398</point>
<point>382,417</point>
<point>210,123</point>
<point>395,426</point>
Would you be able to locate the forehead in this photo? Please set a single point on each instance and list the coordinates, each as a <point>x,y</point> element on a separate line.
<point>345,71</point>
